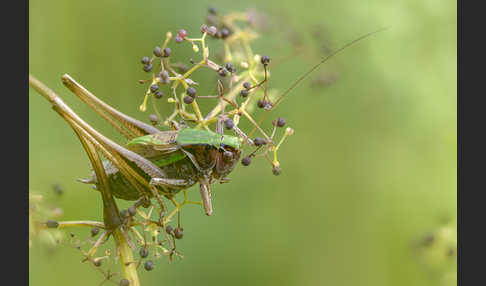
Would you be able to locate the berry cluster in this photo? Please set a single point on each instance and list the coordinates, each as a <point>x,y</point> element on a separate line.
<point>241,79</point>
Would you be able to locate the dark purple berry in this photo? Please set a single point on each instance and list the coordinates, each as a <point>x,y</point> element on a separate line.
<point>169,229</point>
<point>204,28</point>
<point>154,87</point>
<point>157,51</point>
<point>95,231</point>
<point>246,161</point>
<point>259,141</point>
<point>124,282</point>
<point>225,33</point>
<point>281,122</point>
<point>261,103</point>
<point>229,124</point>
<point>178,39</point>
<point>182,33</point>
<point>191,91</point>
<point>247,85</point>
<point>132,211</point>
<point>143,252</point>
<point>147,67</point>
<point>166,52</point>
<point>229,67</point>
<point>159,94</point>
<point>178,233</point>
<point>212,30</point>
<point>265,60</point>
<point>222,72</point>
<point>149,265</point>
<point>145,60</point>
<point>188,99</point>
<point>244,92</point>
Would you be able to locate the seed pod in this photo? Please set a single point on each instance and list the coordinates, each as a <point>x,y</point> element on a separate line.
<point>179,233</point>
<point>166,52</point>
<point>154,87</point>
<point>145,60</point>
<point>259,141</point>
<point>247,85</point>
<point>244,92</point>
<point>281,122</point>
<point>124,282</point>
<point>191,91</point>
<point>143,252</point>
<point>158,94</point>
<point>188,99</point>
<point>149,265</point>
<point>265,60</point>
<point>246,161</point>
<point>229,124</point>
<point>147,67</point>
<point>95,231</point>
<point>276,170</point>
<point>52,224</point>
<point>157,51</point>
<point>132,211</point>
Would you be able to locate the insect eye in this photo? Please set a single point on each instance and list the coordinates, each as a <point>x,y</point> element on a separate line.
<point>227,156</point>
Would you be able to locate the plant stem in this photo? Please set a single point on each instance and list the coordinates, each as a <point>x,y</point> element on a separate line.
<point>126,258</point>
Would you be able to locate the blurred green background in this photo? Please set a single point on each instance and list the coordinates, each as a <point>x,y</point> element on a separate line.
<point>370,170</point>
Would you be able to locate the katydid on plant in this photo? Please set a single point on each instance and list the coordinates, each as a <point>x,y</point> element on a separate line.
<point>155,162</point>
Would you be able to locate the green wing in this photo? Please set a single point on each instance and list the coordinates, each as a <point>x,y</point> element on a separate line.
<point>160,148</point>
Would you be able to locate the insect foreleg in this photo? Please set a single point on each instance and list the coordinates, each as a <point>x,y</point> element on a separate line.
<point>206,197</point>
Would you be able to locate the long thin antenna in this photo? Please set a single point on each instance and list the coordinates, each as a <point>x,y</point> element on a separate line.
<point>302,77</point>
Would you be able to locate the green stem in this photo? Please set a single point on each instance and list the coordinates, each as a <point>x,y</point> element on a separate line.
<point>127,261</point>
